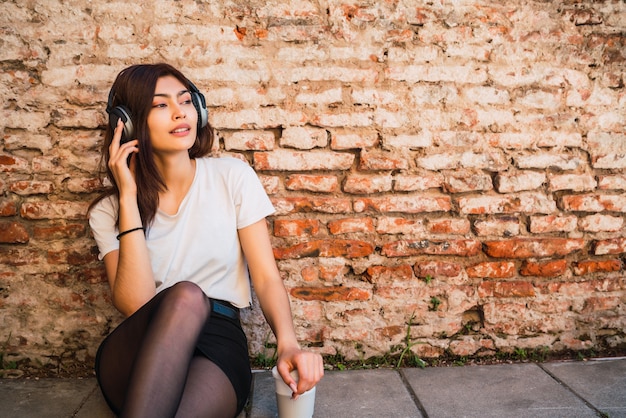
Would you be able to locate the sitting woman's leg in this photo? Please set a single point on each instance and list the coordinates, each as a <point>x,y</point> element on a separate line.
<point>142,365</point>
<point>208,392</point>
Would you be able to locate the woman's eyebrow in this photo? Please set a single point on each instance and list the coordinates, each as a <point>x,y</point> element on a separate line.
<point>180,93</point>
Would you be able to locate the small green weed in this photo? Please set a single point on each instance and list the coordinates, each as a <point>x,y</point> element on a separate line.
<point>434,303</point>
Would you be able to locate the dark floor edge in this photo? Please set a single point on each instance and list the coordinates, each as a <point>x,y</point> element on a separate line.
<point>566,386</point>
<point>412,393</point>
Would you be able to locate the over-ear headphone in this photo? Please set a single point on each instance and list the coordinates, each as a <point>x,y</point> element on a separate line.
<point>121,112</point>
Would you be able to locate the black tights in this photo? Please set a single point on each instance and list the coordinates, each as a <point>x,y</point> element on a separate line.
<point>149,367</point>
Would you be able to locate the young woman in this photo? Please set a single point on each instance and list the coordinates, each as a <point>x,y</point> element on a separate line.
<point>179,233</point>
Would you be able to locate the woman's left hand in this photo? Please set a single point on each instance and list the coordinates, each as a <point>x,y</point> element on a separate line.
<point>309,365</point>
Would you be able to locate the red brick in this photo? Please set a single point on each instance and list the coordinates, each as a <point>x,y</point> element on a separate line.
<point>325,248</point>
<point>382,161</point>
<point>289,205</point>
<point>492,270</point>
<point>56,232</point>
<point>582,268</point>
<point>404,204</point>
<point>551,268</point>
<point>25,188</point>
<point>448,226</point>
<point>332,273</point>
<point>379,274</point>
<point>343,226</point>
<point>515,289</point>
<point>390,225</point>
<point>54,210</point>
<point>71,256</point>
<point>405,248</point>
<point>610,246</point>
<point>601,303</point>
<point>7,207</point>
<point>12,164</point>
<point>526,248</point>
<point>20,257</point>
<point>84,185</point>
<point>436,269</point>
<point>312,183</point>
<point>330,294</point>
<point>594,203</point>
<point>467,181</point>
<point>13,233</point>
<point>296,227</point>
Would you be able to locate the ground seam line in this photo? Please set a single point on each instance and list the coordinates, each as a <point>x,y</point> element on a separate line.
<point>566,386</point>
<point>412,393</point>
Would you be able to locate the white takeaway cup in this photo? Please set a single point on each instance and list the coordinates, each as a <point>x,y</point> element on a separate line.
<point>292,408</point>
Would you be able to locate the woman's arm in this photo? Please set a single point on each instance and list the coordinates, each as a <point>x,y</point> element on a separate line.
<point>274,301</point>
<point>128,269</point>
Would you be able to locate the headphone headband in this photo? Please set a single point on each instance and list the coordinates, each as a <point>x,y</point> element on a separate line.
<point>122,112</point>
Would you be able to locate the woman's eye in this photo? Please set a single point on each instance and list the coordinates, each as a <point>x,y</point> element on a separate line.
<point>159,105</point>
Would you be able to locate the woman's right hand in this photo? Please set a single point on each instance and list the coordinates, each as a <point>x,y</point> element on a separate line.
<point>123,167</point>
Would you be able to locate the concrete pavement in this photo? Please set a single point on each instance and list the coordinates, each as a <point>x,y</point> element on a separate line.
<point>594,388</point>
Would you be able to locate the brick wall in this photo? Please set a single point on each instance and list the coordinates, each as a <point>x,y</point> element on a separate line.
<point>459,166</point>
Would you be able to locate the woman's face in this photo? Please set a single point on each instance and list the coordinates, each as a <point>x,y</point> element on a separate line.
<point>172,121</point>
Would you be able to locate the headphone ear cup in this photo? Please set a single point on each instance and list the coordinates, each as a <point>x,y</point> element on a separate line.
<point>199,103</point>
<point>122,112</point>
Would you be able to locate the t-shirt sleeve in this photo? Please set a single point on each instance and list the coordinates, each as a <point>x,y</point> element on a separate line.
<point>102,221</point>
<point>251,201</point>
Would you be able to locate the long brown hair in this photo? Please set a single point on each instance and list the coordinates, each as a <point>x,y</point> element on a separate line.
<point>134,88</point>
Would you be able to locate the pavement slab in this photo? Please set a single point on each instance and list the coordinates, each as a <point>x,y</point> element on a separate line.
<point>50,398</point>
<point>508,390</point>
<point>353,393</point>
<point>601,382</point>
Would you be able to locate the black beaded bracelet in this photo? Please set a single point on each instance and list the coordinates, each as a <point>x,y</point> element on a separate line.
<point>121,234</point>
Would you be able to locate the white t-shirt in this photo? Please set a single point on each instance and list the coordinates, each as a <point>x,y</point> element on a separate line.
<point>200,243</point>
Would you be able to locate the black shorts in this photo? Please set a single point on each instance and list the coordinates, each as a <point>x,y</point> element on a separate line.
<point>224,343</point>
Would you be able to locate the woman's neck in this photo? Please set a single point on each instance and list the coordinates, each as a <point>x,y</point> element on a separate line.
<point>178,175</point>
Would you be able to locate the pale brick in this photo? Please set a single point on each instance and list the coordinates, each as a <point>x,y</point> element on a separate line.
<point>545,160</point>
<point>607,150</point>
<point>285,160</point>
<point>601,223</point>
<point>486,95</point>
<point>541,100</point>
<point>553,223</point>
<point>423,140</point>
<point>517,181</point>
<point>256,119</point>
<point>407,204</point>
<point>574,182</point>
<point>304,137</point>
<point>612,182</point>
<point>393,225</point>
<point>320,98</point>
<point>432,73</point>
<point>364,184</point>
<point>527,202</point>
<point>344,141</point>
<point>461,181</point>
<point>414,182</point>
<point>249,140</point>
<point>497,226</point>
<point>491,160</point>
